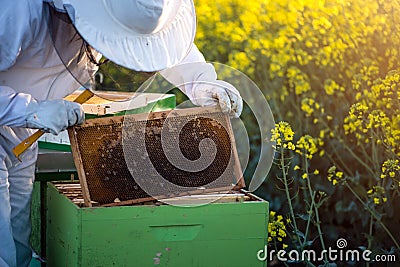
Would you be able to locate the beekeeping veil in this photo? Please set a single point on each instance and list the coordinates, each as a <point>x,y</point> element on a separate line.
<point>139,35</point>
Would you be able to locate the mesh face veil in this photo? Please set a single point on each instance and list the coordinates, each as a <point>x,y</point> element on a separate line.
<point>70,46</point>
<point>85,64</point>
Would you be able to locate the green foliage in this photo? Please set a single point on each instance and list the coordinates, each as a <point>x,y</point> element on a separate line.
<point>112,77</point>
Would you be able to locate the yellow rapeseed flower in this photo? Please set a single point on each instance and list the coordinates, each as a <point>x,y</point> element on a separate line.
<point>334,176</point>
<point>377,194</point>
<point>390,168</point>
<point>308,146</point>
<point>276,228</point>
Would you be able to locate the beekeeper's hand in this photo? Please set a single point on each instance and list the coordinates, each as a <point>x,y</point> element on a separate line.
<point>53,116</point>
<point>218,92</point>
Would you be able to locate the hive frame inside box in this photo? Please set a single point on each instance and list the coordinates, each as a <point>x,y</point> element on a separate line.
<point>78,152</point>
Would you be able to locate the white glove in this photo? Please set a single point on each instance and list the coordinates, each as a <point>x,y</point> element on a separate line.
<point>221,92</point>
<point>53,116</point>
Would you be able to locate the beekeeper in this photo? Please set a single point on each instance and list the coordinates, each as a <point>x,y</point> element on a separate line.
<point>49,48</point>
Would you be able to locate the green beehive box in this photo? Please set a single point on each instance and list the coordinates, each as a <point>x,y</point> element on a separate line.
<point>225,234</point>
<point>55,161</point>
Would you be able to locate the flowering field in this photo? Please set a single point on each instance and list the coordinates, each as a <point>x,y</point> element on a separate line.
<point>330,71</point>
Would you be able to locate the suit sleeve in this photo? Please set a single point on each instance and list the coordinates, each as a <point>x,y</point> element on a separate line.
<point>18,26</point>
<point>190,72</point>
<point>13,107</point>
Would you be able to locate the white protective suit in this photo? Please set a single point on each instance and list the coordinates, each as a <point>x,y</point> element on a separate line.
<point>31,70</point>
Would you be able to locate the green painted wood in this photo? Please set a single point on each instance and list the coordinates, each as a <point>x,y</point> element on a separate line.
<point>220,234</point>
<point>39,207</point>
<point>63,232</point>
<point>167,103</point>
<point>35,218</point>
<point>38,194</point>
<point>54,146</point>
<point>60,176</point>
